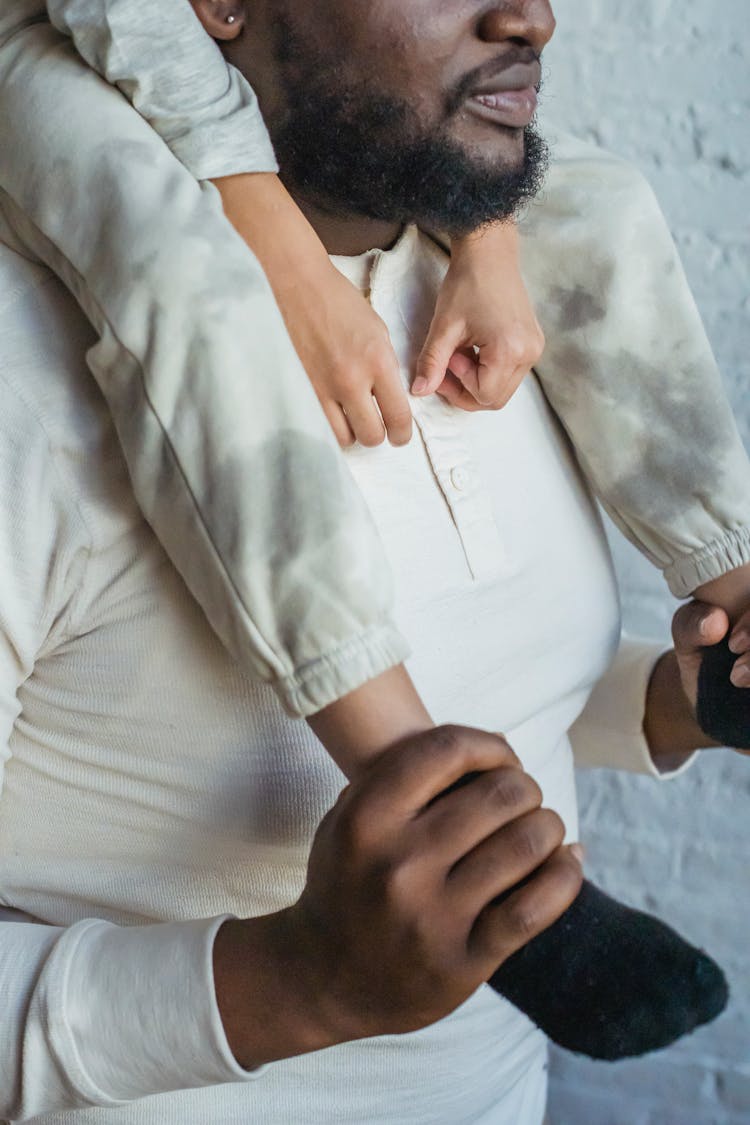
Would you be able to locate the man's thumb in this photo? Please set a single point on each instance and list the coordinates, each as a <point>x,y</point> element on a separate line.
<point>697,625</point>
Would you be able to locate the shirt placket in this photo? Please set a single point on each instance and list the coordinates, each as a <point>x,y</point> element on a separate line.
<point>406,303</point>
<point>460,481</point>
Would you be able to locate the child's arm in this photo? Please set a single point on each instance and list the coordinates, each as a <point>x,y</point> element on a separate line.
<point>208,114</point>
<point>342,342</point>
<point>108,204</point>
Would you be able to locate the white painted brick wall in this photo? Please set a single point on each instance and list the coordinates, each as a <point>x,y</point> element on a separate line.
<point>667,84</point>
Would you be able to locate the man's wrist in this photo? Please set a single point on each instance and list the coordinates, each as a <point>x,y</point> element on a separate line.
<point>670,726</point>
<point>264,995</point>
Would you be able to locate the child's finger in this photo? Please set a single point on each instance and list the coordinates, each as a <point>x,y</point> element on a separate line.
<point>393,404</point>
<point>364,418</point>
<point>339,424</point>
<point>499,377</point>
<point>463,364</point>
<point>434,360</point>
<point>454,392</point>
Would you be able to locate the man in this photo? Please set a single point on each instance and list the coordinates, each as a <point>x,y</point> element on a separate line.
<point>149,780</point>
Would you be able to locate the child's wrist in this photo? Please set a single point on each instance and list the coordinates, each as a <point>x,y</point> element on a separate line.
<point>498,239</point>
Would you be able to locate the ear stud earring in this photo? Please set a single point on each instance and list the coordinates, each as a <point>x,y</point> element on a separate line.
<point>231,19</point>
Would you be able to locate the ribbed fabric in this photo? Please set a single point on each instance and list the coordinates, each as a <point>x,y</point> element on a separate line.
<point>151,787</point>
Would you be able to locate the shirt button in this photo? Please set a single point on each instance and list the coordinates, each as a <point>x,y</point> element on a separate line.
<point>460,478</point>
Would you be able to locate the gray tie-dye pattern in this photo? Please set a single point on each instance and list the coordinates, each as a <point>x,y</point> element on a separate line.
<point>177,300</point>
<point>231,459</point>
<point>204,109</point>
<point>629,370</point>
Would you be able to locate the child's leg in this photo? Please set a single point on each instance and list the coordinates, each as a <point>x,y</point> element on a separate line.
<point>204,109</point>
<point>302,597</point>
<point>629,371</point>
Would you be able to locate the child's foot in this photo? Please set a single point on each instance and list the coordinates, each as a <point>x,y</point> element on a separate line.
<point>611,982</point>
<point>723,709</point>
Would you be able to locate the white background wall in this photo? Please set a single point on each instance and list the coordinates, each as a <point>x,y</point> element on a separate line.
<point>667,84</point>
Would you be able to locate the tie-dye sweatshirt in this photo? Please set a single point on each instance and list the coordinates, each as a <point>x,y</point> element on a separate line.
<point>246,487</point>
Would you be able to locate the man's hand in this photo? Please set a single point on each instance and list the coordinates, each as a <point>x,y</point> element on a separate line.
<point>400,922</point>
<point>671,725</point>
<point>697,626</point>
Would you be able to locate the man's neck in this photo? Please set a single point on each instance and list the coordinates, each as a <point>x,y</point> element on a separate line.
<point>348,235</point>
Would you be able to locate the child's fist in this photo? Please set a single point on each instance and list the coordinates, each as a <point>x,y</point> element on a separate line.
<point>485,337</point>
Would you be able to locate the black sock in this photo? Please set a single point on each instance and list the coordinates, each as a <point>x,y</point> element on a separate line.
<point>611,982</point>
<point>723,710</point>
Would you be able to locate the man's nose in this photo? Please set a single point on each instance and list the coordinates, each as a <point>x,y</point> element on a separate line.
<point>528,21</point>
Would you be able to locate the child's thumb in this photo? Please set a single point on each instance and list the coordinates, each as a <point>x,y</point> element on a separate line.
<point>434,359</point>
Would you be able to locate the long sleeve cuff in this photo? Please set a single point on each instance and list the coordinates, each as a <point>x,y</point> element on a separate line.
<point>609,733</point>
<point>164,1033</point>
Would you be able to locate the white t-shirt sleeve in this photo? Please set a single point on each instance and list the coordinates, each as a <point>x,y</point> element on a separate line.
<point>609,732</point>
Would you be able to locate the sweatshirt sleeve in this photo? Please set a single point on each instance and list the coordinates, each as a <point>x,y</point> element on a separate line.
<point>231,457</point>
<point>629,371</point>
<point>203,108</point>
<point>609,732</point>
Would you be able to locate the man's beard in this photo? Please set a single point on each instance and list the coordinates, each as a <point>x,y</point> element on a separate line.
<point>352,150</point>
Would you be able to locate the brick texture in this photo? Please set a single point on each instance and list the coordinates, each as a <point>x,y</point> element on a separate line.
<point>667,84</point>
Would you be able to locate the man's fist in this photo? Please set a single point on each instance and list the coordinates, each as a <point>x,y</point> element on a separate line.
<point>402,917</point>
<point>714,664</point>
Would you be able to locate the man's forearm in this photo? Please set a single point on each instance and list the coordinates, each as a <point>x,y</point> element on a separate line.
<point>669,723</point>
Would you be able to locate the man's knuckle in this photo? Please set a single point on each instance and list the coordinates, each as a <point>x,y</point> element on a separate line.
<point>447,739</point>
<point>527,843</point>
<point>568,879</point>
<point>356,830</point>
<point>506,788</point>
<point>551,826</point>
<point>523,918</point>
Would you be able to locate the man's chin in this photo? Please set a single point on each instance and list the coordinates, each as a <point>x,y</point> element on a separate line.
<point>488,145</point>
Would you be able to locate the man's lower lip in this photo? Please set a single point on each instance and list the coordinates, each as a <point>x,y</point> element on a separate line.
<point>513,108</point>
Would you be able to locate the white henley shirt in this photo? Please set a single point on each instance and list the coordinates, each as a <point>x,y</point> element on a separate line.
<point>150,788</point>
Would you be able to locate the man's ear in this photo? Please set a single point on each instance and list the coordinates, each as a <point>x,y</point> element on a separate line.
<point>222,19</point>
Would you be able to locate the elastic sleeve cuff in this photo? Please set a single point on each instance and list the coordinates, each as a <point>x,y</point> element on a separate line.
<point>724,554</point>
<point>163,1034</point>
<point>609,733</point>
<point>332,676</point>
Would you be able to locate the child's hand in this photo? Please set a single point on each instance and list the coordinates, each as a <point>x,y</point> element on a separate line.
<point>345,349</point>
<point>484,336</point>
<point>343,344</point>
